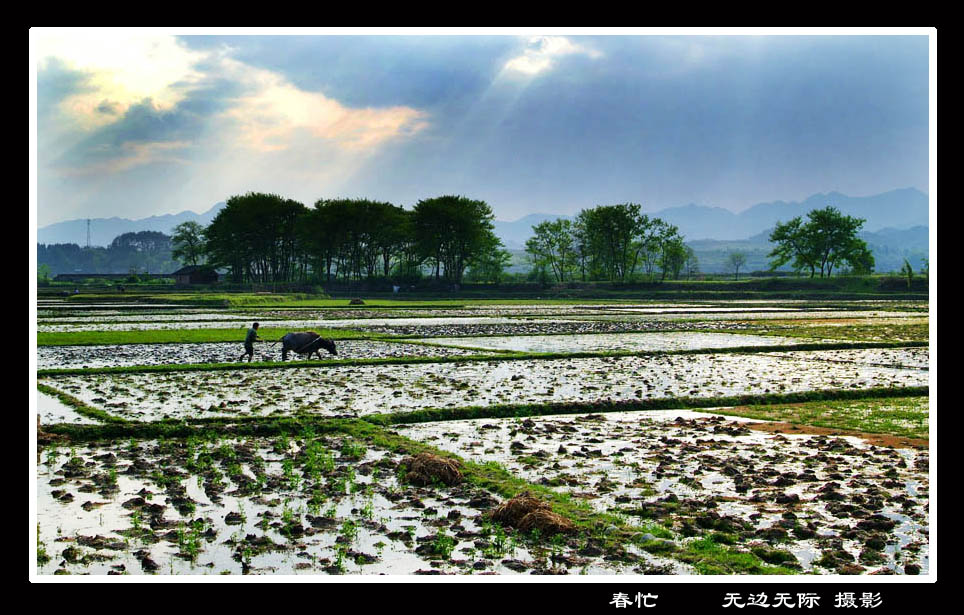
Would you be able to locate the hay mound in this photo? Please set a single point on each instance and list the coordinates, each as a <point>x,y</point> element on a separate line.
<point>525,513</point>
<point>546,521</point>
<point>356,302</point>
<point>426,469</point>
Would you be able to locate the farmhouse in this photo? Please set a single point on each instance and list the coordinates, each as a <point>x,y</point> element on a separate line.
<point>195,274</point>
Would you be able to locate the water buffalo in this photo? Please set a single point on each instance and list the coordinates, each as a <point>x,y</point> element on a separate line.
<point>306,343</point>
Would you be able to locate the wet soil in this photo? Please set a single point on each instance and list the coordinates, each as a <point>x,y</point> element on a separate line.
<point>820,500</point>
<point>870,438</point>
<point>312,505</point>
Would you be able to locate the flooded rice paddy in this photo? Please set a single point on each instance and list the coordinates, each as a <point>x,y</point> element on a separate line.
<point>218,503</point>
<point>611,342</point>
<point>126,355</point>
<point>53,411</point>
<point>374,389</point>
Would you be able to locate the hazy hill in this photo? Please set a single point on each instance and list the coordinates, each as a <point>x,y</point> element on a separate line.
<point>897,209</point>
<point>889,246</point>
<point>514,234</point>
<point>104,230</point>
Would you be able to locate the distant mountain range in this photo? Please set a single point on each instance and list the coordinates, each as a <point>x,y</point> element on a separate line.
<point>104,230</point>
<point>897,209</point>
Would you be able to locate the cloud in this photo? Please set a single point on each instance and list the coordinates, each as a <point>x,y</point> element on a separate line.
<point>108,107</point>
<point>118,66</point>
<point>110,118</point>
<point>541,52</point>
<point>128,155</point>
<point>273,113</point>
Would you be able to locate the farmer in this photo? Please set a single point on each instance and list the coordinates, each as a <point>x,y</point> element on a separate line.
<point>249,341</point>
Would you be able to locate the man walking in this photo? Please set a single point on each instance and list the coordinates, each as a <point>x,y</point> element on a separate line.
<point>249,341</point>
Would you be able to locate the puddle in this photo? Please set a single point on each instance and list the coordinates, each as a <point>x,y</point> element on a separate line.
<point>52,411</point>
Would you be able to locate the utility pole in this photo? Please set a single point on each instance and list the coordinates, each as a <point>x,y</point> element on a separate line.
<point>88,233</point>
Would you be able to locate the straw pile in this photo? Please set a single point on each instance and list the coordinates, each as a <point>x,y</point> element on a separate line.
<point>526,513</point>
<point>427,469</point>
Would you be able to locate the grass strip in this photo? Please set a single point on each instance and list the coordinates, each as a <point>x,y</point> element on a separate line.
<point>80,407</point>
<point>489,356</point>
<point>916,332</point>
<point>273,425</point>
<point>896,416</point>
<point>665,403</point>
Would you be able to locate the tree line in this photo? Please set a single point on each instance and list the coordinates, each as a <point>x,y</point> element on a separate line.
<point>140,252</point>
<point>267,238</point>
<point>610,242</point>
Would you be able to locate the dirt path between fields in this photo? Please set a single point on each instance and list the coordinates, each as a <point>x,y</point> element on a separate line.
<point>871,438</point>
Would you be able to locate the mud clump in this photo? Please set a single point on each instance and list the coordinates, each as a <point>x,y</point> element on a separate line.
<point>44,438</point>
<point>526,513</point>
<point>427,469</point>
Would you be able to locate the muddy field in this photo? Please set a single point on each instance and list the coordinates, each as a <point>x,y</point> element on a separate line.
<point>310,505</point>
<point>326,487</point>
<point>835,503</point>
<point>370,389</point>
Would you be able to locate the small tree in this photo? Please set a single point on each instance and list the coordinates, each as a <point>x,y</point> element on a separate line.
<point>908,272</point>
<point>692,264</point>
<point>188,243</point>
<point>735,261</point>
<point>552,246</point>
<point>43,274</point>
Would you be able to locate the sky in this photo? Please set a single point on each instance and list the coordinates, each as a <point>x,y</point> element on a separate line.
<point>135,123</point>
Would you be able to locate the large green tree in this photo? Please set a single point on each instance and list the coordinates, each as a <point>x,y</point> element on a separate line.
<point>827,239</point>
<point>450,231</point>
<point>255,237</point>
<point>611,231</point>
